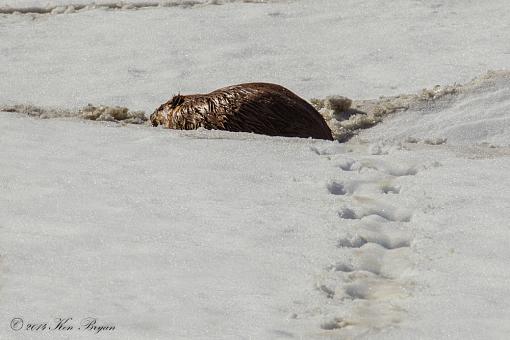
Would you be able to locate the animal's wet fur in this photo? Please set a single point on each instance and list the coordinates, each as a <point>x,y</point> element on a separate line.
<point>261,108</point>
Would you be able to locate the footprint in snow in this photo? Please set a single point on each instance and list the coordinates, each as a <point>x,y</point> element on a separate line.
<point>365,187</point>
<point>385,211</point>
<point>384,234</point>
<point>396,170</point>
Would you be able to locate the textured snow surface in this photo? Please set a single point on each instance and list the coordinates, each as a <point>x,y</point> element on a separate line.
<point>163,235</point>
<point>35,8</point>
<point>139,59</point>
<point>478,112</point>
<point>462,113</point>
<point>401,233</point>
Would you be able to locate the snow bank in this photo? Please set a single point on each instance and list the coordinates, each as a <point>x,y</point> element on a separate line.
<point>34,8</point>
<point>480,114</point>
<point>89,112</point>
<point>474,113</point>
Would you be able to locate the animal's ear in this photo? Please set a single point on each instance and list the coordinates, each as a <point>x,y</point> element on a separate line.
<point>177,100</point>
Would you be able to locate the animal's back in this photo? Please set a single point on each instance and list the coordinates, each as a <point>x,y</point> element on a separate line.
<point>273,110</point>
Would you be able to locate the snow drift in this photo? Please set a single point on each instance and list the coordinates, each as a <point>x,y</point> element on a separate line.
<point>54,7</point>
<point>460,113</point>
<point>477,111</point>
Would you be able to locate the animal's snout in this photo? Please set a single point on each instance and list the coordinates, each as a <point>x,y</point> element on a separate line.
<point>153,119</point>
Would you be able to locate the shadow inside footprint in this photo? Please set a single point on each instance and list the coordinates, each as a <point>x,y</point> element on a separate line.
<point>387,188</point>
<point>385,241</point>
<point>335,323</point>
<point>347,213</point>
<point>358,290</point>
<point>340,267</point>
<point>346,164</point>
<point>387,212</point>
<point>335,188</point>
<point>354,242</point>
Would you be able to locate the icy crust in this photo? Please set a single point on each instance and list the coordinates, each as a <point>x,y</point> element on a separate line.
<point>89,112</point>
<point>347,117</point>
<point>65,7</point>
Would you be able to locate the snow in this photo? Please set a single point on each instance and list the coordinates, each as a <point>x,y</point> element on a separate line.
<point>140,58</point>
<point>445,212</point>
<point>400,233</point>
<point>477,112</point>
<point>155,244</point>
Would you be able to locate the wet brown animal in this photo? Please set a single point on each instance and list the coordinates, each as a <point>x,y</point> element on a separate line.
<point>262,108</point>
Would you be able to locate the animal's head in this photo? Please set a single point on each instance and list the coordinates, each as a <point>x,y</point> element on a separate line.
<point>158,117</point>
<point>164,112</point>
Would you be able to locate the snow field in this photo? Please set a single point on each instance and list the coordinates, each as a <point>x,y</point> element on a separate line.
<point>400,233</point>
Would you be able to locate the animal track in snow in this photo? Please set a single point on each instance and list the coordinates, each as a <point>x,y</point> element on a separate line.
<point>385,211</point>
<point>388,188</point>
<point>396,170</point>
<point>335,323</point>
<point>377,254</point>
<point>390,263</point>
<point>362,187</point>
<point>373,275</point>
<point>331,149</point>
<point>348,214</point>
<point>340,267</point>
<point>337,188</point>
<point>369,314</point>
<point>346,164</point>
<point>384,234</point>
<point>368,286</point>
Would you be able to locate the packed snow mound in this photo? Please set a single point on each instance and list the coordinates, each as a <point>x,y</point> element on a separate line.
<point>460,113</point>
<point>474,113</point>
<point>89,112</point>
<point>34,7</point>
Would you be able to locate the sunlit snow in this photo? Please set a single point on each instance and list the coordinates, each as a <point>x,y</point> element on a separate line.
<point>399,233</point>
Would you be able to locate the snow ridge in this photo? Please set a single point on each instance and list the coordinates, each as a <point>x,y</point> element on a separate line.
<point>348,117</point>
<point>89,112</point>
<point>66,8</point>
<point>475,113</point>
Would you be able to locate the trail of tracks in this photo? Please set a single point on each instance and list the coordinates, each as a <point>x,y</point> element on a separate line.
<point>362,291</point>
